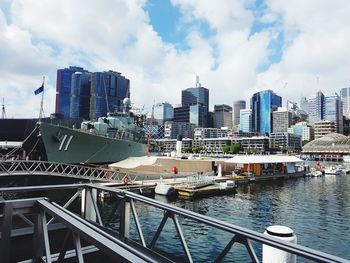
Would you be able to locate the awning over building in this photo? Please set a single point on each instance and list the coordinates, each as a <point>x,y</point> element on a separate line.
<point>245,159</point>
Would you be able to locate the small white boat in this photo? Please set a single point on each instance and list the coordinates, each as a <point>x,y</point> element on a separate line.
<point>316,173</point>
<point>165,189</point>
<point>331,170</point>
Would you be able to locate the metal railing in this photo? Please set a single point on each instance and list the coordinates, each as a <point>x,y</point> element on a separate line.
<point>102,237</point>
<point>20,167</point>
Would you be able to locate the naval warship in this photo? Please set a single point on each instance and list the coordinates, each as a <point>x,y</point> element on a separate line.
<point>110,139</point>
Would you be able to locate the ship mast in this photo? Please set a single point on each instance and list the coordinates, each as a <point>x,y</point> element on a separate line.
<point>41,113</point>
<point>3,114</point>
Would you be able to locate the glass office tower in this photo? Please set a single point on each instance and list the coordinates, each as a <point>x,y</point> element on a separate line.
<point>80,95</point>
<point>263,104</point>
<point>63,89</point>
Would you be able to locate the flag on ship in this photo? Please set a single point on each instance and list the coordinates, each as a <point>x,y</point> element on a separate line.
<point>39,90</point>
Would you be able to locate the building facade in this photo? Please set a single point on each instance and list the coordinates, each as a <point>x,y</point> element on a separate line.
<point>108,90</point>
<point>323,128</point>
<point>281,120</point>
<point>245,120</point>
<point>306,131</point>
<point>163,112</point>
<point>285,141</point>
<point>345,98</point>
<point>262,105</point>
<point>80,95</point>
<point>237,107</point>
<point>64,89</point>
<point>222,116</point>
<point>173,129</point>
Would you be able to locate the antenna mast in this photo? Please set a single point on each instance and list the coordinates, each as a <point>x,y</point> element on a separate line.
<point>3,114</point>
<point>42,101</point>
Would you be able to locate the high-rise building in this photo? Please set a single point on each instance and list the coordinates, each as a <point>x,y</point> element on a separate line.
<point>245,120</point>
<point>325,107</point>
<point>80,95</point>
<point>281,120</point>
<point>345,98</point>
<point>198,99</point>
<point>237,107</point>
<point>222,116</point>
<point>262,105</point>
<point>63,89</point>
<point>108,90</point>
<point>163,112</point>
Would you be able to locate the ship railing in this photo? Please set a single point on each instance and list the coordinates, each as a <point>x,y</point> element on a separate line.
<point>123,229</point>
<point>22,167</point>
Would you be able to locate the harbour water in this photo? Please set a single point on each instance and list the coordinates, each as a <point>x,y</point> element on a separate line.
<point>317,209</point>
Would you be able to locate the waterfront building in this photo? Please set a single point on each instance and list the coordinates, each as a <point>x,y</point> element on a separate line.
<point>285,141</point>
<point>245,120</point>
<point>323,128</point>
<point>332,146</point>
<point>222,116</point>
<point>345,98</point>
<point>80,95</point>
<point>63,89</point>
<point>255,144</point>
<point>262,105</point>
<point>303,129</point>
<point>163,112</point>
<point>108,90</point>
<point>173,129</point>
<point>237,107</point>
<point>167,145</point>
<point>208,133</point>
<point>215,145</point>
<point>281,120</point>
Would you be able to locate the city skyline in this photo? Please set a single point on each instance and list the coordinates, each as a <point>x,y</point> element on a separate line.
<point>236,47</point>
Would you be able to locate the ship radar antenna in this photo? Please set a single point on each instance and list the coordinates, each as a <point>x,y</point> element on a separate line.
<point>3,113</point>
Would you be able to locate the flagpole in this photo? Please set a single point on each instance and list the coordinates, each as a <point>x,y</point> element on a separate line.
<point>42,101</point>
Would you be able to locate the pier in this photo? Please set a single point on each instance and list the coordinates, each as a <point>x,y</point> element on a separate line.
<point>89,235</point>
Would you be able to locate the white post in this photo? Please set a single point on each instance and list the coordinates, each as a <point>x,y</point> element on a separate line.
<point>274,255</point>
<point>219,170</point>
<point>87,207</point>
<point>178,146</point>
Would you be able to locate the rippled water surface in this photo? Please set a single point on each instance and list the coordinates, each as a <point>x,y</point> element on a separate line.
<point>317,209</point>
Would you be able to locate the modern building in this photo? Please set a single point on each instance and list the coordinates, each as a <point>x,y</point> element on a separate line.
<point>108,90</point>
<point>80,95</point>
<point>285,141</point>
<point>262,105</point>
<point>345,98</point>
<point>245,120</point>
<point>325,107</point>
<point>303,129</point>
<point>163,112</point>
<point>255,144</point>
<point>169,145</point>
<point>63,89</point>
<point>281,120</point>
<point>222,116</point>
<point>198,100</point>
<point>323,128</point>
<point>173,129</point>
<point>237,107</point>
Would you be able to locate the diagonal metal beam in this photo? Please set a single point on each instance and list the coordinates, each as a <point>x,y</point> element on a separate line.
<point>226,249</point>
<point>46,236</point>
<point>137,223</point>
<point>77,246</point>
<point>159,230</point>
<point>182,238</point>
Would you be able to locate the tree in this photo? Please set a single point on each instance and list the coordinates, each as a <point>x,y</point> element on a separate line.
<point>227,149</point>
<point>196,149</point>
<point>235,148</point>
<point>304,142</point>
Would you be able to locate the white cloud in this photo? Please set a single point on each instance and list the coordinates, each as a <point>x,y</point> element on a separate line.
<point>117,35</point>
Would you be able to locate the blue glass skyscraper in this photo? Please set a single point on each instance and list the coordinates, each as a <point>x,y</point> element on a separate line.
<point>63,89</point>
<point>80,95</point>
<point>108,89</point>
<point>262,105</point>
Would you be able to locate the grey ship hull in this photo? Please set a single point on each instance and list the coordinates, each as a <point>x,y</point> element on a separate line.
<point>67,145</point>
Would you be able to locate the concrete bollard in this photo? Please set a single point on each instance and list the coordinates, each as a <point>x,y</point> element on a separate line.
<point>274,255</point>
<point>219,170</point>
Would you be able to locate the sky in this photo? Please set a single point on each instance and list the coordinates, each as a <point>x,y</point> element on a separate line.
<point>236,47</point>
